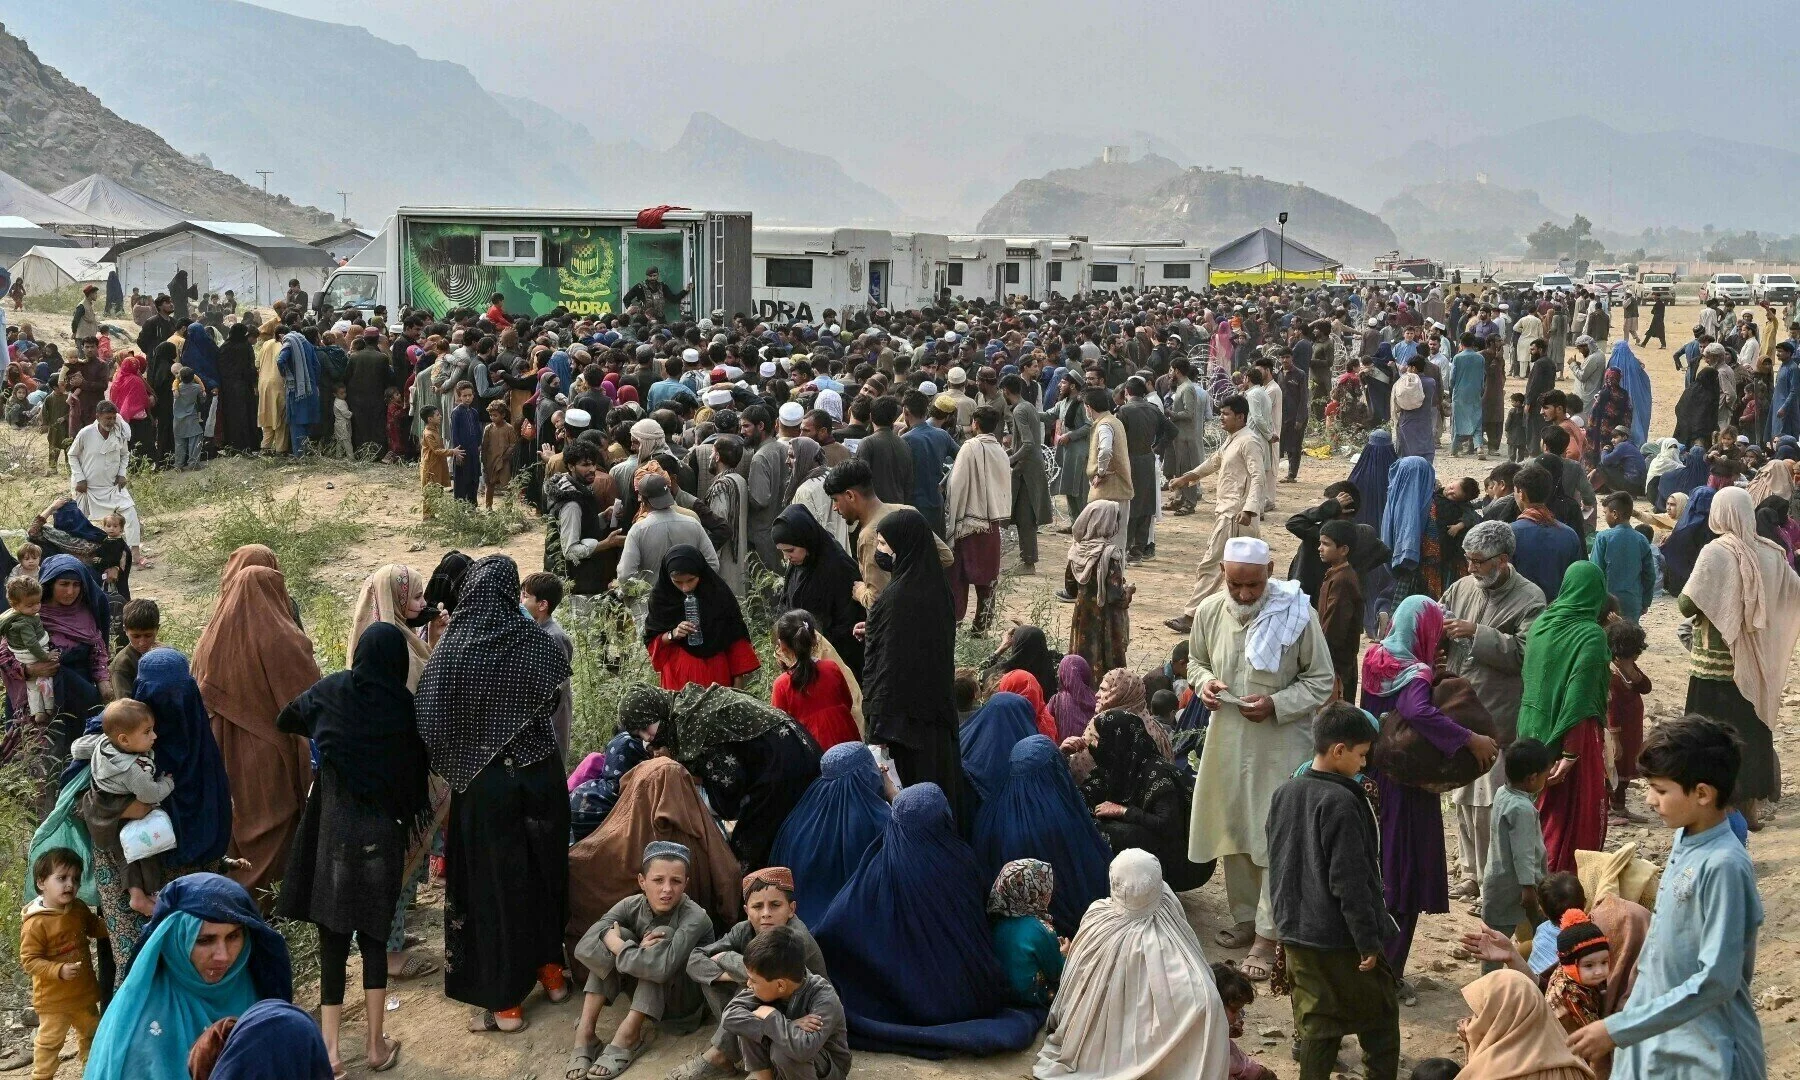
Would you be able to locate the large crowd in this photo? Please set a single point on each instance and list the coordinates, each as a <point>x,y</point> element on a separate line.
<point>888,851</point>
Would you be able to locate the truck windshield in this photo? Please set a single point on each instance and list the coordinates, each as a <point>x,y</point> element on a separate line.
<point>352,290</point>
<point>1730,279</point>
<point>1777,279</point>
<point>1555,279</point>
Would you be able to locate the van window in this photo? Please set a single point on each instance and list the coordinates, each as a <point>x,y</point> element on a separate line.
<point>1056,271</point>
<point>788,273</point>
<point>352,291</point>
<point>1176,270</point>
<point>1106,272</point>
<point>953,274</point>
<point>1012,273</point>
<point>511,249</point>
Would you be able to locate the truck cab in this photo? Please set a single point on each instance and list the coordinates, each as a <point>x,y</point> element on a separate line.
<point>1775,288</point>
<point>1653,286</point>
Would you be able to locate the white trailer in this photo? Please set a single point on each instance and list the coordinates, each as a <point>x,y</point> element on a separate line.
<point>1176,267</point>
<point>1110,269</point>
<point>921,263</point>
<point>799,274</point>
<point>975,267</point>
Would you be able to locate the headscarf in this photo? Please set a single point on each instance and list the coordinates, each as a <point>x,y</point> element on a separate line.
<point>129,391</point>
<point>833,403</point>
<point>1774,480</point>
<point>1129,769</point>
<point>1688,476</point>
<point>1023,887</point>
<point>1637,386</point>
<point>163,1005</point>
<point>909,664</point>
<point>361,722</point>
<point>201,353</point>
<point>494,672</point>
<point>1626,925</point>
<point>987,739</point>
<point>1411,483</point>
<point>1610,408</point>
<point>1091,548</point>
<point>1772,516</point>
<point>1697,411</point>
<point>1029,650</point>
<point>240,559</point>
<point>93,595</point>
<point>273,1040</point>
<point>1513,1034</point>
<point>1689,537</point>
<point>1787,448</point>
<point>1039,814</point>
<point>1567,664</point>
<point>385,595</point>
<point>658,800</point>
<point>1022,683</point>
<point>649,438</point>
<point>809,460</point>
<point>696,720</point>
<point>826,833</point>
<point>199,808</point>
<point>1667,459</point>
<point>1072,705</point>
<point>252,660</point>
<point>1409,649</point>
<point>445,584</point>
<point>823,583</point>
<point>721,621</point>
<point>1744,586</point>
<point>1370,475</point>
<point>1124,690</point>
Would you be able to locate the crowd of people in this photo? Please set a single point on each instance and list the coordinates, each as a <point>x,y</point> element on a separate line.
<point>745,853</point>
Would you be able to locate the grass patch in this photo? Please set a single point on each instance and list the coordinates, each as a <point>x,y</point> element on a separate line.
<point>300,541</point>
<point>18,821</point>
<point>453,523</point>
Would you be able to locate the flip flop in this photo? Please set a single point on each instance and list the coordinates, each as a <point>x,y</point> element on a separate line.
<point>393,1057</point>
<point>413,967</point>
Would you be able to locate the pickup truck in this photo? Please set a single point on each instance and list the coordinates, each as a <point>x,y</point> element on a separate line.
<point>1725,287</point>
<point>1653,286</point>
<point>1607,283</point>
<point>1775,288</point>
<point>1549,284</point>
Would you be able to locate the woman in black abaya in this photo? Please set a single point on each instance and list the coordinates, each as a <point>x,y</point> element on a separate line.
<point>237,430</point>
<point>821,581</point>
<point>909,664</point>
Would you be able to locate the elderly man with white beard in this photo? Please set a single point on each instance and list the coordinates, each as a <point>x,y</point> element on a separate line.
<point>1486,616</point>
<point>1263,667</point>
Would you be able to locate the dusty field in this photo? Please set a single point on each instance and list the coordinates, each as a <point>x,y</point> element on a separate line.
<point>432,1027</point>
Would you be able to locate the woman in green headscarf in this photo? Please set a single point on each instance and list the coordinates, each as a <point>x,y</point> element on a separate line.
<point>1567,672</point>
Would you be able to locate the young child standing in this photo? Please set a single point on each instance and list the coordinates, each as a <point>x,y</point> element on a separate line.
<point>812,690</point>
<point>1625,557</point>
<point>53,949</point>
<point>143,622</point>
<point>1689,1013</point>
<point>341,418</point>
<point>24,633</point>
<point>539,595</point>
<point>1517,861</point>
<point>55,418</point>
<point>396,425</point>
<point>124,770</point>
<point>1625,711</point>
<point>640,948</point>
<point>719,968</point>
<point>188,405</point>
<point>1237,992</point>
<point>1518,430</point>
<point>1330,916</point>
<point>434,456</point>
<point>1341,604</point>
<point>499,441</point>
<point>465,436</point>
<point>788,1021</point>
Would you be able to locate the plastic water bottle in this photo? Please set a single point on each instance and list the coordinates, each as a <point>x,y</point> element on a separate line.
<point>690,610</point>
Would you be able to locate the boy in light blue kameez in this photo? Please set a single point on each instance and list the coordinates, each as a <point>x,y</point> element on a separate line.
<point>1689,1014</point>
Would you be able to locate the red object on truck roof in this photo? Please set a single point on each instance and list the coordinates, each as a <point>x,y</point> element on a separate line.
<point>653,217</point>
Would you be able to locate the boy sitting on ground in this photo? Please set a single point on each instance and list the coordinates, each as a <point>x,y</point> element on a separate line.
<point>788,1021</point>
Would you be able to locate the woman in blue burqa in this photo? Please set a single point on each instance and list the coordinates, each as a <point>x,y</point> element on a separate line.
<point>1039,814</point>
<point>826,834</point>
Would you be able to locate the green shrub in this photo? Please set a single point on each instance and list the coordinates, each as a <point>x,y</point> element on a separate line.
<point>453,523</point>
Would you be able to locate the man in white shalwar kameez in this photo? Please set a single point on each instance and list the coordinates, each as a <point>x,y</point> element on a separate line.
<point>97,461</point>
<point>1263,667</point>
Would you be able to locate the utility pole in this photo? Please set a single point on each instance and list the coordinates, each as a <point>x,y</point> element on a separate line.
<point>264,173</point>
<point>1281,255</point>
<point>345,215</point>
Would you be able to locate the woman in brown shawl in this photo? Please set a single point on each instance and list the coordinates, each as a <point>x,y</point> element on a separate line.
<point>251,661</point>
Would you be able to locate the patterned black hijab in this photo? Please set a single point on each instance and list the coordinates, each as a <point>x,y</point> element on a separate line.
<point>1128,769</point>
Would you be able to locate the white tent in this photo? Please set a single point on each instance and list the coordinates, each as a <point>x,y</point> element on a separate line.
<point>19,199</point>
<point>47,269</point>
<point>116,205</point>
<point>254,262</point>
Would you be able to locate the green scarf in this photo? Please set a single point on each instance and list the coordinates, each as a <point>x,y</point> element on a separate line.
<point>1567,664</point>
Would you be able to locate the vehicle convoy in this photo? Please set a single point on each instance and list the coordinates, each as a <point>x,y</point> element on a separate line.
<point>1653,286</point>
<point>441,258</point>
<point>1775,288</point>
<point>1725,287</point>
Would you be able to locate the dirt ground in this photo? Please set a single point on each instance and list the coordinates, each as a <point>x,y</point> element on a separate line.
<point>431,1027</point>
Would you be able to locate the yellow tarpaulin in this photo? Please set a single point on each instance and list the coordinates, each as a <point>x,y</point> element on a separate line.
<point>1263,277</point>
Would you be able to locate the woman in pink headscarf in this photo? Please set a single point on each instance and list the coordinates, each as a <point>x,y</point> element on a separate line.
<point>1073,703</point>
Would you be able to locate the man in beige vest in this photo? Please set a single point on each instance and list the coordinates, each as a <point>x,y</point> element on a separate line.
<point>1242,490</point>
<point>1108,461</point>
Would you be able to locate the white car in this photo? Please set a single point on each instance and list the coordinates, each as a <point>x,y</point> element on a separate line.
<point>1554,283</point>
<point>1725,287</point>
<point>1608,283</point>
<point>1775,288</point>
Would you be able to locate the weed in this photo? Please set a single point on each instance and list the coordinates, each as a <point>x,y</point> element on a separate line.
<point>454,523</point>
<point>301,544</point>
<point>18,822</point>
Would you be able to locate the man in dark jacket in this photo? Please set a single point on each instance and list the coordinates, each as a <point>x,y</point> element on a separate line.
<point>1142,421</point>
<point>889,458</point>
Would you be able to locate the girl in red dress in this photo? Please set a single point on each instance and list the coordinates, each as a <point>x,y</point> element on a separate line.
<point>694,629</point>
<point>812,691</point>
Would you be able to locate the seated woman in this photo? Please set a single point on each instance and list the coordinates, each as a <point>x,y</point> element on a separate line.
<point>1038,814</point>
<point>77,618</point>
<point>1137,997</point>
<point>821,577</point>
<point>826,833</point>
<point>1073,703</point>
<point>246,1047</point>
<point>591,800</point>
<point>1025,648</point>
<point>1024,684</point>
<point>207,955</point>
<point>658,800</point>
<point>920,979</point>
<point>754,760</point>
<point>987,740</point>
<point>1025,941</point>
<point>814,691</point>
<point>708,644</point>
<point>1140,800</point>
<point>1513,1033</point>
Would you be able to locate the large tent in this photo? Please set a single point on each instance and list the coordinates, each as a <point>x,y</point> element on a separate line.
<point>1264,254</point>
<point>19,199</point>
<point>117,206</point>
<point>254,262</point>
<point>17,236</point>
<point>47,269</point>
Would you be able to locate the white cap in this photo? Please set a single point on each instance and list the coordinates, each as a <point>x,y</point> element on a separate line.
<point>767,369</point>
<point>928,387</point>
<point>718,397</point>
<point>577,418</point>
<point>958,376</point>
<point>690,356</point>
<point>1248,550</point>
<point>949,337</point>
<point>790,413</point>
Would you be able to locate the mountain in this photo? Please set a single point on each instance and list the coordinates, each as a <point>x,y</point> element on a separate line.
<point>333,108</point>
<point>1465,219</point>
<point>53,133</point>
<point>1202,206</point>
<point>1623,180</point>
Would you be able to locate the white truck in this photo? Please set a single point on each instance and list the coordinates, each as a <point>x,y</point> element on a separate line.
<point>1725,287</point>
<point>1775,288</point>
<point>441,258</point>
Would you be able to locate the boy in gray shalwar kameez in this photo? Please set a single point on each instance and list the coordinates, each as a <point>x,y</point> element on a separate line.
<point>789,1023</point>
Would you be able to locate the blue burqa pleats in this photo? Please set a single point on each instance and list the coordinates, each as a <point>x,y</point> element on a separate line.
<point>988,738</point>
<point>1410,484</point>
<point>909,947</point>
<point>1637,387</point>
<point>1692,474</point>
<point>1370,475</point>
<point>200,806</point>
<point>274,1040</point>
<point>1039,814</point>
<point>824,837</point>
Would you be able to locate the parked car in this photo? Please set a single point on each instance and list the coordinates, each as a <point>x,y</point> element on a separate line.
<point>1725,287</point>
<point>1607,283</point>
<point>1653,286</point>
<point>1775,288</point>
<point>1554,283</point>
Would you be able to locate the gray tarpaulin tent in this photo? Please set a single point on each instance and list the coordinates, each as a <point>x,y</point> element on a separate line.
<point>17,236</point>
<point>1264,249</point>
<point>118,206</point>
<point>19,199</point>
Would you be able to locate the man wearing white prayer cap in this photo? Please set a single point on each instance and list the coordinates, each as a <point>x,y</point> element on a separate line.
<point>787,419</point>
<point>1243,488</point>
<point>1263,666</point>
<point>577,420</point>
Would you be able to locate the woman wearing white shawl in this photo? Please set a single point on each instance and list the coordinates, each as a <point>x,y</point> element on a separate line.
<point>1666,459</point>
<point>1137,997</point>
<point>394,594</point>
<point>1745,602</point>
<point>980,503</point>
